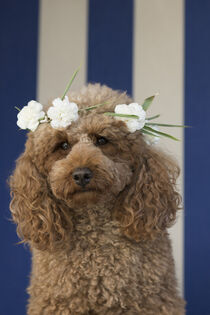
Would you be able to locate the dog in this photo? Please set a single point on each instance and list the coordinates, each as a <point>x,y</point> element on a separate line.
<point>94,202</point>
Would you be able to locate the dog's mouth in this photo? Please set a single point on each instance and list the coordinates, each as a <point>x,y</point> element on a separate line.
<point>85,190</point>
<point>83,197</point>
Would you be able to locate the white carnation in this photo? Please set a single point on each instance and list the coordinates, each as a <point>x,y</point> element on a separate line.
<point>30,116</point>
<point>62,113</point>
<point>133,124</point>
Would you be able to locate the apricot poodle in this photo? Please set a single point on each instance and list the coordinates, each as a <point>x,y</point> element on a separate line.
<point>94,202</point>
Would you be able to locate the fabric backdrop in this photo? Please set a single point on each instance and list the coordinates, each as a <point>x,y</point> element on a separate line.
<point>143,47</point>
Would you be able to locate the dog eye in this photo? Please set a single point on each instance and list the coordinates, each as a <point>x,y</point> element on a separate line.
<point>101,141</point>
<point>64,146</point>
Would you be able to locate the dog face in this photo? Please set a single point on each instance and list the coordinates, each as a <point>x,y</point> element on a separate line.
<point>95,162</point>
<point>88,163</point>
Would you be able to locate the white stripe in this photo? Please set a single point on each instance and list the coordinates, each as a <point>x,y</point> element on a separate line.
<point>62,46</point>
<point>158,67</point>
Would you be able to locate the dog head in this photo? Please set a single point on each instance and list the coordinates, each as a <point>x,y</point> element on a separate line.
<point>95,161</point>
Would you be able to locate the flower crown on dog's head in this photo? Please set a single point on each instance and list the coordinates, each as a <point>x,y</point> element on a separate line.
<point>63,113</point>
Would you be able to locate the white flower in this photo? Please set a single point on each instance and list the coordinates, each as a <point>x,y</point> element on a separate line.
<point>62,113</point>
<point>30,116</point>
<point>133,124</point>
<point>152,140</point>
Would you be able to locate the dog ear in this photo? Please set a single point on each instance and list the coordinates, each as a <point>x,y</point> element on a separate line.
<point>40,220</point>
<point>152,201</point>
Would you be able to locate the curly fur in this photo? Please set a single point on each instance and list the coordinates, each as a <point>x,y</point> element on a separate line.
<point>104,250</point>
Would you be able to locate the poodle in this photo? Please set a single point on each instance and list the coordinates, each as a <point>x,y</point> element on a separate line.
<point>94,202</point>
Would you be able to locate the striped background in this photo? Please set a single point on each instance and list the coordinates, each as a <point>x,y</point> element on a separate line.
<point>142,46</point>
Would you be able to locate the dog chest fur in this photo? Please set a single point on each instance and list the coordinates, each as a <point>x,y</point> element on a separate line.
<point>106,269</point>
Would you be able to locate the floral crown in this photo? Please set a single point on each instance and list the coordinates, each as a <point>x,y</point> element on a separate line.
<point>63,113</point>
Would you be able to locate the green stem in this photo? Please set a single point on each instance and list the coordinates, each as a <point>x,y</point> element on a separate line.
<point>40,119</point>
<point>165,125</point>
<point>121,115</point>
<point>149,133</point>
<point>94,106</point>
<point>70,83</point>
<point>153,117</point>
<point>159,133</point>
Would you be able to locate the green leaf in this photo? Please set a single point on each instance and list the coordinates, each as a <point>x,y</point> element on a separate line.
<point>70,82</point>
<point>121,115</point>
<point>153,117</point>
<point>166,125</point>
<point>147,102</point>
<point>94,106</point>
<point>148,133</point>
<point>159,133</point>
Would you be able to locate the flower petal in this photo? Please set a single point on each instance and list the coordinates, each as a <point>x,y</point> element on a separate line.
<point>28,117</point>
<point>62,113</point>
<point>132,109</point>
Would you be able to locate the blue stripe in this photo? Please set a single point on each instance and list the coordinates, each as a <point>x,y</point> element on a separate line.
<point>197,153</point>
<point>18,64</point>
<point>110,43</point>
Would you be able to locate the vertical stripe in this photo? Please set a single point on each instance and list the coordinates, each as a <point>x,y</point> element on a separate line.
<point>62,46</point>
<point>158,63</point>
<point>197,152</point>
<point>18,61</point>
<point>110,43</point>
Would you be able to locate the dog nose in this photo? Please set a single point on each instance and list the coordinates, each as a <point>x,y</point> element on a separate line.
<point>82,176</point>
